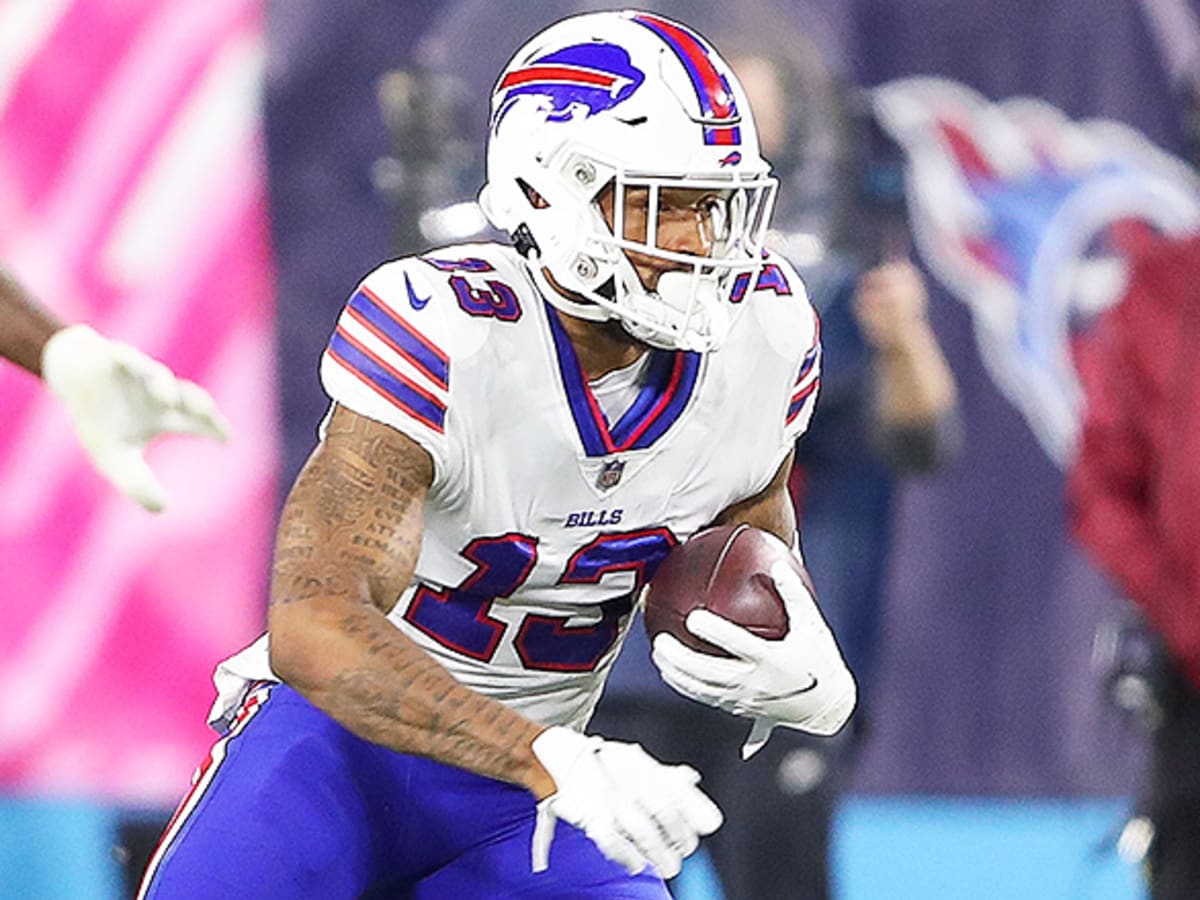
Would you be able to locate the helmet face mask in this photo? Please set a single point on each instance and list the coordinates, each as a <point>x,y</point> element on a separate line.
<point>623,159</point>
<point>677,246</point>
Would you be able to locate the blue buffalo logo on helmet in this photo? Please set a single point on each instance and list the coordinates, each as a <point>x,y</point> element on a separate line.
<point>589,77</point>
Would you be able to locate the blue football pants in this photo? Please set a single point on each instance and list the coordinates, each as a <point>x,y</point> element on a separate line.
<point>292,805</point>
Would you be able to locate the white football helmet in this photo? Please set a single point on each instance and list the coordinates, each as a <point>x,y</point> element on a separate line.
<point>627,101</point>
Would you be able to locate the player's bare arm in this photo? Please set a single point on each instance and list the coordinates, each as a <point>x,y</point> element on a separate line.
<point>347,547</point>
<point>770,509</point>
<point>24,325</point>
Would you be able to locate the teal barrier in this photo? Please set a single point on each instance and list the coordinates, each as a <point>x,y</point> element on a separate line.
<point>884,848</point>
<point>58,850</point>
<point>903,848</point>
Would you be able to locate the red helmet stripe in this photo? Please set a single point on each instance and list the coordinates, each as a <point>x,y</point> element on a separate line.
<point>715,99</point>
<point>556,73</point>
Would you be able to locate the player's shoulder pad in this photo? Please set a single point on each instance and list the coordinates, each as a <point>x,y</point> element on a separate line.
<point>780,306</point>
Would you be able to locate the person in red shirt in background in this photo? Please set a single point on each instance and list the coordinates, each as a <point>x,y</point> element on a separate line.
<point>1134,494</point>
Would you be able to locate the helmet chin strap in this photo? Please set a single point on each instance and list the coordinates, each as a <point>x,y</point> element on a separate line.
<point>683,312</point>
<point>686,310</point>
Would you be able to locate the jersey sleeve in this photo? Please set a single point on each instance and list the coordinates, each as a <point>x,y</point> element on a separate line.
<point>803,397</point>
<point>790,325</point>
<point>389,358</point>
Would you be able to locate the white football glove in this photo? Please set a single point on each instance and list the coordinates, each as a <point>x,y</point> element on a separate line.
<point>637,810</point>
<point>118,399</point>
<point>799,681</point>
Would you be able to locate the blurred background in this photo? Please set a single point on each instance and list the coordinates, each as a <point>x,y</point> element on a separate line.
<point>210,180</point>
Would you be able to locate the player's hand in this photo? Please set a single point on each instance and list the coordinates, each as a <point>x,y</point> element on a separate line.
<point>118,399</point>
<point>637,810</point>
<point>799,681</point>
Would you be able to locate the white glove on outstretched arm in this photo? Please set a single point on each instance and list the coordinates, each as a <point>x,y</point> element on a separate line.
<point>800,681</point>
<point>118,399</point>
<point>637,810</point>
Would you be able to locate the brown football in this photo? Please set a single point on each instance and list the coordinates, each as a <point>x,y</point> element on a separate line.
<point>723,569</point>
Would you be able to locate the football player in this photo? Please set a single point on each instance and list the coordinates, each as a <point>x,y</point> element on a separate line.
<point>518,436</point>
<point>118,398</point>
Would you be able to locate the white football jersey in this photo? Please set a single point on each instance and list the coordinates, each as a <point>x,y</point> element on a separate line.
<point>546,516</point>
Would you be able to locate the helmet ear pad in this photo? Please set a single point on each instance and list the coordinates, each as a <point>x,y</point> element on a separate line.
<point>556,224</point>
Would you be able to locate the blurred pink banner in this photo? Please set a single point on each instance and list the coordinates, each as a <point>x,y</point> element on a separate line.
<point>132,197</point>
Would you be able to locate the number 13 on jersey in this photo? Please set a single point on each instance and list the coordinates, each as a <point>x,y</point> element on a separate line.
<point>460,618</point>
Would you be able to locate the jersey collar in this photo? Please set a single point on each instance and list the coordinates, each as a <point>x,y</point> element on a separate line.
<point>670,381</point>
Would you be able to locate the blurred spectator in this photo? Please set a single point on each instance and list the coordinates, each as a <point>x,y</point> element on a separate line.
<point>118,399</point>
<point>1135,495</point>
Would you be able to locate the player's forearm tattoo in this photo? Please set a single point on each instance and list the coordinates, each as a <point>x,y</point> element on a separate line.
<point>349,540</point>
<point>435,715</point>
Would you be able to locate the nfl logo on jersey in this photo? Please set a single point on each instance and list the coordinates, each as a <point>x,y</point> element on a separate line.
<point>610,474</point>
